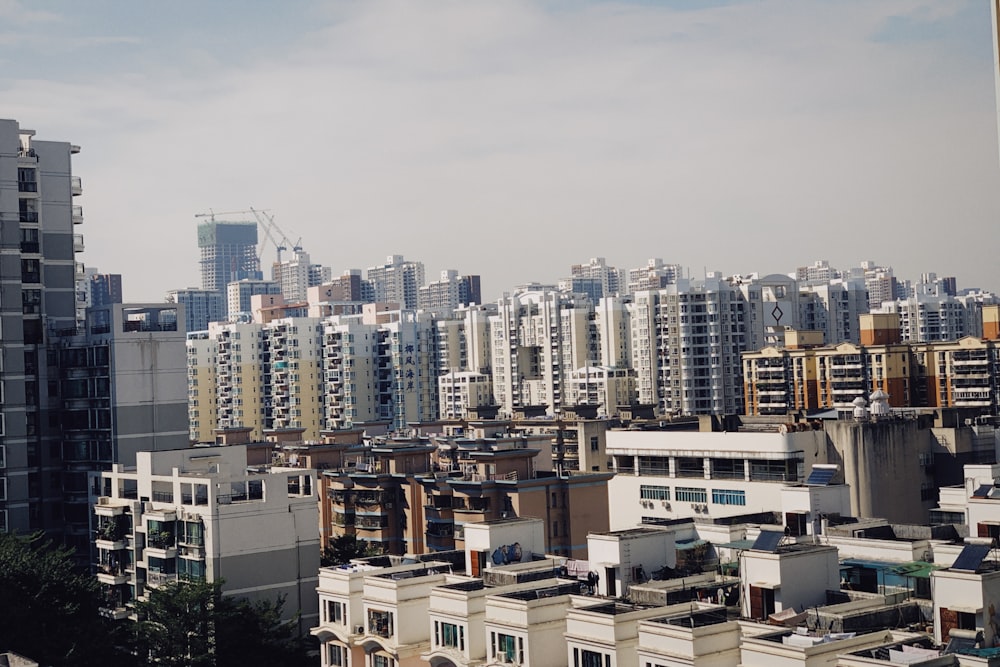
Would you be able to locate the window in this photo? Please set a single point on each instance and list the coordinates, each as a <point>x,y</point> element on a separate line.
<point>774,471</point>
<point>585,658</point>
<point>382,661</point>
<point>650,492</point>
<point>450,635</point>
<point>727,469</point>
<point>688,494</point>
<point>335,612</point>
<point>507,648</point>
<point>729,497</point>
<point>595,444</point>
<point>380,623</point>
<point>336,655</point>
<point>689,466</point>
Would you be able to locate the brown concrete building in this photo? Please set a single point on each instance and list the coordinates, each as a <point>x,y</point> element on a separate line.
<point>416,495</point>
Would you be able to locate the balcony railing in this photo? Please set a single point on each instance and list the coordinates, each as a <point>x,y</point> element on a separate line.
<point>160,578</point>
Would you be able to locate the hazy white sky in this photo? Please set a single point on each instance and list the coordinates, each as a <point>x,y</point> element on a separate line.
<point>512,138</point>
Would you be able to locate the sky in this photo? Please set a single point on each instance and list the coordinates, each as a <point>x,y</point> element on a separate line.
<point>512,139</point>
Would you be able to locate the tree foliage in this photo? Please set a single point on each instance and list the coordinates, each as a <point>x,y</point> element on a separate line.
<point>344,548</point>
<point>49,610</point>
<point>193,624</point>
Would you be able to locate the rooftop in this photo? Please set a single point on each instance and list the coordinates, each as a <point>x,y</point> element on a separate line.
<point>697,619</point>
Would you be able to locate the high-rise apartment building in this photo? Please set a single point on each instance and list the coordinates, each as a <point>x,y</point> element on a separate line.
<point>379,366</point>
<point>239,294</point>
<point>925,318</point>
<point>819,271</point>
<point>654,275</point>
<point>610,279</point>
<point>686,344</point>
<point>296,275</point>
<point>833,307</point>
<point>201,306</point>
<point>396,281</point>
<point>38,243</point>
<point>228,253</point>
<point>105,289</point>
<point>123,389</point>
<point>538,339</point>
<point>450,292</point>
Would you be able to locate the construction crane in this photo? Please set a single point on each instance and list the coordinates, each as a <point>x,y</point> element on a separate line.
<point>266,222</point>
<point>269,226</point>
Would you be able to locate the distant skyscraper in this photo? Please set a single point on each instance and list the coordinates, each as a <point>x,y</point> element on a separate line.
<point>201,306</point>
<point>654,275</point>
<point>228,253</point>
<point>296,275</point>
<point>609,278</point>
<point>450,292</point>
<point>105,289</point>
<point>396,281</point>
<point>238,295</point>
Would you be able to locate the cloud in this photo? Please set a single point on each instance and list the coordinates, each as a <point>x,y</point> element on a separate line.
<point>512,139</point>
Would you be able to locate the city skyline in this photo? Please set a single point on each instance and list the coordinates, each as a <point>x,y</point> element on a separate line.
<point>535,131</point>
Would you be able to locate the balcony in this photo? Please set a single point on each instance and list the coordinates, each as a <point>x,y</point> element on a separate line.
<point>376,522</point>
<point>114,613</point>
<point>112,574</point>
<point>157,579</point>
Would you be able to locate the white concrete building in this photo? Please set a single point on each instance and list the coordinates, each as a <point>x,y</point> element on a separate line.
<point>199,514</point>
<point>296,275</point>
<point>396,281</point>
<point>602,386</point>
<point>686,344</point>
<point>622,558</point>
<point>789,576</point>
<point>605,634</point>
<point>239,293</point>
<point>966,597</point>
<point>537,339</point>
<point>460,392</point>
<point>239,374</point>
<point>677,474</point>
<point>293,386</point>
<point>202,381</point>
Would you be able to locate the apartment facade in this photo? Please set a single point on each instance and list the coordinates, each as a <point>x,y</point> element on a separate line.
<point>199,514</point>
<point>39,220</point>
<point>123,388</point>
<point>538,338</point>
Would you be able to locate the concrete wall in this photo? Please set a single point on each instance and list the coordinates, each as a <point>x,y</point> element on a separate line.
<point>882,466</point>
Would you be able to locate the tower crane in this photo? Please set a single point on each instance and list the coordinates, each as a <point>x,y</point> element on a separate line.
<point>266,222</point>
<point>270,227</point>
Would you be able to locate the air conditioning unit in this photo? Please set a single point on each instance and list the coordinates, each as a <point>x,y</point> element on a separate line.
<point>359,629</point>
<point>104,500</point>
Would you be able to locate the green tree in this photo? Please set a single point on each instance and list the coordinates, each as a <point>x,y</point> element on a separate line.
<point>193,624</point>
<point>49,610</point>
<point>344,548</point>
